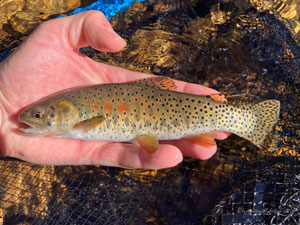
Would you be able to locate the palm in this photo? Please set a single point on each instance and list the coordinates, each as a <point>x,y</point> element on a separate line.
<point>48,62</point>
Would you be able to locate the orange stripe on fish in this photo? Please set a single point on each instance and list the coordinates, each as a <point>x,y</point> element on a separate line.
<point>122,108</point>
<point>96,106</point>
<point>108,108</point>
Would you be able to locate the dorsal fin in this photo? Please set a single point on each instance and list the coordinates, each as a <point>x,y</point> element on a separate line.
<point>159,82</point>
<point>218,97</point>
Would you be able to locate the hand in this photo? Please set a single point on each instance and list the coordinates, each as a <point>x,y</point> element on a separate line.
<point>49,61</point>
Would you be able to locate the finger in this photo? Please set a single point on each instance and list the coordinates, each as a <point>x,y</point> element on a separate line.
<point>114,74</point>
<point>221,135</point>
<point>81,152</point>
<point>194,88</point>
<point>131,156</point>
<point>89,28</point>
<point>193,150</point>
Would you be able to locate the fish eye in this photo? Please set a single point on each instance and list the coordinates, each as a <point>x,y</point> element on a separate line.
<point>37,115</point>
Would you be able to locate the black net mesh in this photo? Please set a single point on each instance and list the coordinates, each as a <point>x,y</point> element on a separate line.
<point>249,51</point>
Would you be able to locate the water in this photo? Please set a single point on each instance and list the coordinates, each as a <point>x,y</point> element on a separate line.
<point>109,8</point>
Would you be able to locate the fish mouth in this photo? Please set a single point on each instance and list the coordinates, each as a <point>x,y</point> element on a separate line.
<point>32,129</point>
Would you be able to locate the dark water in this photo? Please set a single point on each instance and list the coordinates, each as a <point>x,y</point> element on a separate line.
<point>247,50</point>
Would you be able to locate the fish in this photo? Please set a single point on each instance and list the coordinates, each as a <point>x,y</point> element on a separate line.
<point>144,112</point>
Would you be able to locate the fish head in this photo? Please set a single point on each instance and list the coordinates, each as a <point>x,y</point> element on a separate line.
<point>49,118</point>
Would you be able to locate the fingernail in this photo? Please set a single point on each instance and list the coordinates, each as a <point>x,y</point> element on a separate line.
<point>115,36</point>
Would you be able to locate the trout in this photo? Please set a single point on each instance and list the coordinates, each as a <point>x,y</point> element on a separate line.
<point>146,111</point>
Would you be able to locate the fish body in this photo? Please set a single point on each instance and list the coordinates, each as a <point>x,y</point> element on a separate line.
<point>145,111</point>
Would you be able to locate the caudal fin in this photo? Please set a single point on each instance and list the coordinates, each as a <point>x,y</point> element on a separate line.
<point>267,114</point>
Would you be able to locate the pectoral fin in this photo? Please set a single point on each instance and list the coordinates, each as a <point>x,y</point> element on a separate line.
<point>89,123</point>
<point>206,140</point>
<point>159,82</point>
<point>148,143</point>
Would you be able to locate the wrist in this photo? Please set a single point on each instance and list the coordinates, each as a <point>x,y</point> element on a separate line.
<point>2,113</point>
<point>2,153</point>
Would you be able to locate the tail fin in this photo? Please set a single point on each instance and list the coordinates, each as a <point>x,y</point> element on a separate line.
<point>267,114</point>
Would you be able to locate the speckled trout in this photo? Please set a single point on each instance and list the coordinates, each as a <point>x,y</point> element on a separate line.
<point>146,111</point>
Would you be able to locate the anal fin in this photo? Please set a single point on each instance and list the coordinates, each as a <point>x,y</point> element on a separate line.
<point>206,140</point>
<point>148,143</point>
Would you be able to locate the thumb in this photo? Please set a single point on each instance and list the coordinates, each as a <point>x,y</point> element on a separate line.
<point>89,28</point>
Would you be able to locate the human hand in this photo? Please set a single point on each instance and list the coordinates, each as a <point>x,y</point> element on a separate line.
<point>49,61</point>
